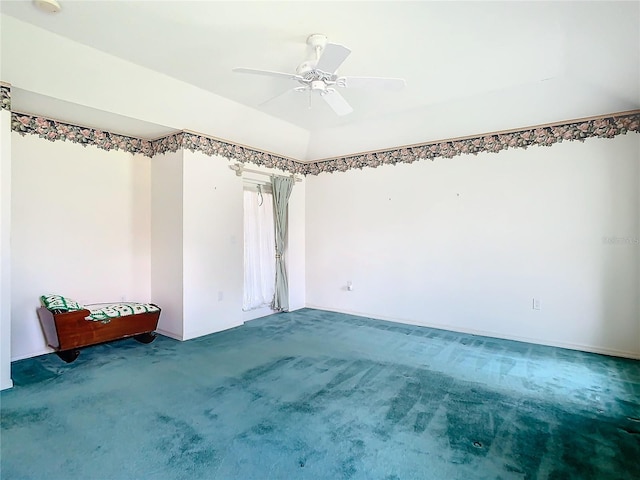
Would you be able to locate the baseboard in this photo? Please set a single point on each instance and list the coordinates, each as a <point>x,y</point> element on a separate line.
<point>257,313</point>
<point>203,333</point>
<point>33,354</point>
<point>51,350</point>
<point>485,333</point>
<point>166,333</point>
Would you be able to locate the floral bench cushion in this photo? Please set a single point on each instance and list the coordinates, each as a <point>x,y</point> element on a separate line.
<point>60,303</point>
<point>99,313</point>
<point>116,310</point>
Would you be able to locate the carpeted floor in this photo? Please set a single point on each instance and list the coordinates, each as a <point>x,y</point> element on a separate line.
<point>319,395</point>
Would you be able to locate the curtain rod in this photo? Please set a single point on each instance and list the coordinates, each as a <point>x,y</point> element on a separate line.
<point>239,169</point>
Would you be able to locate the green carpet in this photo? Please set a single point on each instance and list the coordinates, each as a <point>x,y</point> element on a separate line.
<point>319,395</point>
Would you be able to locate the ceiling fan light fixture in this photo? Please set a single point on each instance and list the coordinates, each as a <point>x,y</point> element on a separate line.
<point>319,75</point>
<point>47,6</point>
<point>318,85</point>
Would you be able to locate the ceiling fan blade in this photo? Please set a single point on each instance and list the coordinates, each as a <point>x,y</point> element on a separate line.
<point>332,57</point>
<point>267,73</point>
<point>337,102</point>
<point>372,82</point>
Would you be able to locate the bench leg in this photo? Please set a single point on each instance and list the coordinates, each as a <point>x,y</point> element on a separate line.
<point>145,337</point>
<point>68,355</point>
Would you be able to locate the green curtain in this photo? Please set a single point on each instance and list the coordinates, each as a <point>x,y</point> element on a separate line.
<point>281,187</point>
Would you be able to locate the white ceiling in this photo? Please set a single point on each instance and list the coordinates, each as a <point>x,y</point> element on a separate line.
<point>470,67</point>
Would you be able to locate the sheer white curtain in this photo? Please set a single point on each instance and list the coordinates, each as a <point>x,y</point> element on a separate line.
<point>259,249</point>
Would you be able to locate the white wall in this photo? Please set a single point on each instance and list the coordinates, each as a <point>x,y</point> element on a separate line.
<point>166,241</point>
<point>5,250</point>
<point>466,244</point>
<point>212,242</point>
<point>104,226</point>
<point>80,227</point>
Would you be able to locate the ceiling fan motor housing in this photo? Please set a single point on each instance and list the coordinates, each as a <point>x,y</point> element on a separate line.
<point>305,67</point>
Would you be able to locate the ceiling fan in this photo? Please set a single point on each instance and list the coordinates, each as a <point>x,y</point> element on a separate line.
<point>319,75</point>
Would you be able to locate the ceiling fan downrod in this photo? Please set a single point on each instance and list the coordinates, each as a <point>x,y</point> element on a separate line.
<point>317,41</point>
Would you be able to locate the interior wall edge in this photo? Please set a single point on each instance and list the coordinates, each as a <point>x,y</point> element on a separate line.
<point>6,384</point>
<point>5,96</point>
<point>5,237</point>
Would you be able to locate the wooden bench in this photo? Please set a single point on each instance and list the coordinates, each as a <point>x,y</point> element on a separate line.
<point>66,330</point>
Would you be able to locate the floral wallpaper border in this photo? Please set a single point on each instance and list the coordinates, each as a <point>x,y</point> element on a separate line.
<point>607,127</point>
<point>54,130</point>
<point>211,146</point>
<point>602,127</point>
<point>5,97</point>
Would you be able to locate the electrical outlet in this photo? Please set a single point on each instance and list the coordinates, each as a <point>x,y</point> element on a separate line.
<point>349,286</point>
<point>220,295</point>
<point>536,304</point>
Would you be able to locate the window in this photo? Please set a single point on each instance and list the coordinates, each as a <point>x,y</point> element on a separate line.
<point>259,247</point>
